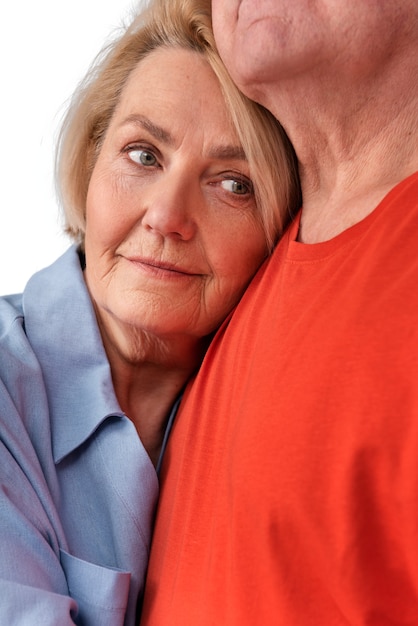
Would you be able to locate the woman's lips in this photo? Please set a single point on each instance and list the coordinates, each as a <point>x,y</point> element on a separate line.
<point>161,268</point>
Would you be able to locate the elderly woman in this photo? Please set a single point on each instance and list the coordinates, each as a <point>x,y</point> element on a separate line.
<point>174,188</point>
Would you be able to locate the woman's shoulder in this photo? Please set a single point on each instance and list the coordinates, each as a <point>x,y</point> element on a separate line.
<point>10,310</point>
<point>21,380</point>
<point>12,330</point>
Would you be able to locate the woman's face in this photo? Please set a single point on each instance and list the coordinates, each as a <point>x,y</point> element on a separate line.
<point>172,235</point>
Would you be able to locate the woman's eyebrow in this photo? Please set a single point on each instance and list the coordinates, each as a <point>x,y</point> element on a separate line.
<point>222,152</point>
<point>156,131</point>
<point>227,152</point>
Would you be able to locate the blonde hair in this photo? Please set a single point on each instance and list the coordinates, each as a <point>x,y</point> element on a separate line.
<point>176,24</point>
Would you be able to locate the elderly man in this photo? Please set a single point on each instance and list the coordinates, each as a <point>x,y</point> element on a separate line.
<point>290,492</point>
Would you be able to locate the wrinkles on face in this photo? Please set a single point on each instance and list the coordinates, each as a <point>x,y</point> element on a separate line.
<point>170,243</point>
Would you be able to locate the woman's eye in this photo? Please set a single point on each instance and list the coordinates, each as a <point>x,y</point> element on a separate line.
<point>238,187</point>
<point>142,156</point>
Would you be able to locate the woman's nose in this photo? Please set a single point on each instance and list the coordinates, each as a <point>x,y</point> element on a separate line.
<point>171,208</point>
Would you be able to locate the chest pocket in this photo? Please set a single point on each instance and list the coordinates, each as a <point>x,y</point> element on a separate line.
<point>101,593</point>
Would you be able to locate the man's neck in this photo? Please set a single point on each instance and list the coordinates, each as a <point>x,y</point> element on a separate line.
<point>353,145</point>
<point>339,192</point>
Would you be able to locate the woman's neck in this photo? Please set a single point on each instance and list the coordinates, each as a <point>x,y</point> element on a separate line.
<point>148,374</point>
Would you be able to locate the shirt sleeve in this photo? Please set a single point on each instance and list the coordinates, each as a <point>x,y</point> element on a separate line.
<point>40,582</point>
<point>23,605</point>
<point>33,586</point>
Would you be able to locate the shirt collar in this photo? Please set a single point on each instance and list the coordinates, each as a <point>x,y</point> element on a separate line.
<point>61,326</point>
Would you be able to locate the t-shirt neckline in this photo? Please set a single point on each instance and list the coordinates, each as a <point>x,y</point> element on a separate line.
<point>298,251</point>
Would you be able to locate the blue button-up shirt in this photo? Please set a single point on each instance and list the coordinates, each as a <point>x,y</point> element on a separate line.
<point>77,488</point>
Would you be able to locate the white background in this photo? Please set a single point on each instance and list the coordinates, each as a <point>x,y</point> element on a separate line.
<point>45,49</point>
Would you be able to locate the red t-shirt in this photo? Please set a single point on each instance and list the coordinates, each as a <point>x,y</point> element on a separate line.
<point>290,486</point>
